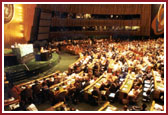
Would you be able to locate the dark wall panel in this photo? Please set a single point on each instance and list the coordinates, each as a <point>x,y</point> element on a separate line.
<point>144,10</point>
<point>44,23</point>
<point>42,36</point>
<point>44,29</point>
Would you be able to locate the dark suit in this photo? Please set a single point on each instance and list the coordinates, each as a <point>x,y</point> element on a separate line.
<point>36,92</point>
<point>95,96</point>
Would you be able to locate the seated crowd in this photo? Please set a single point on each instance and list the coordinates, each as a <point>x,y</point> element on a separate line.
<point>105,71</point>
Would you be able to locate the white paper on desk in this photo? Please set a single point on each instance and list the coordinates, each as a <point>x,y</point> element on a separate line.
<point>109,109</point>
<point>158,107</point>
<point>147,81</point>
<point>144,94</point>
<point>90,90</point>
<point>91,81</point>
<point>23,87</point>
<point>146,85</point>
<point>131,93</point>
<point>146,89</point>
<point>112,95</point>
<point>158,80</point>
<point>32,107</point>
<point>14,106</point>
<point>98,84</point>
<point>32,84</point>
<point>125,86</point>
<point>161,88</point>
<point>103,92</point>
<point>121,79</point>
<point>124,89</point>
<point>11,99</point>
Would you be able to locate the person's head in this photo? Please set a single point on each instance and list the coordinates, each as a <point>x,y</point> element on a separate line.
<point>144,106</point>
<point>125,107</point>
<point>148,92</point>
<point>125,95</point>
<point>57,89</point>
<point>36,82</point>
<point>72,109</point>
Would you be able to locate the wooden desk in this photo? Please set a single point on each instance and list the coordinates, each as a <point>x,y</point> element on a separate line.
<point>32,81</point>
<point>158,85</point>
<point>106,105</point>
<point>91,85</point>
<point>153,107</point>
<point>55,106</point>
<point>11,102</point>
<point>67,80</point>
<point>127,84</point>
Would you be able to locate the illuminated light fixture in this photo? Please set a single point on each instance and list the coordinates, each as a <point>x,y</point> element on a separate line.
<point>20,35</point>
<point>136,28</point>
<point>21,28</point>
<point>87,16</point>
<point>127,27</point>
<point>111,16</point>
<point>18,18</point>
<point>19,7</point>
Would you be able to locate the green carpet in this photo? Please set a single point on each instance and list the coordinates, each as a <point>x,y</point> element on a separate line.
<point>65,61</point>
<point>33,64</point>
<point>7,51</point>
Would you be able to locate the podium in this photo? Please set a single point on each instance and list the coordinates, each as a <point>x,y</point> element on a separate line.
<point>10,60</point>
<point>45,56</point>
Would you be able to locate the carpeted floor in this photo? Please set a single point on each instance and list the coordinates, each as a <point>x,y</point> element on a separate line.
<point>65,60</point>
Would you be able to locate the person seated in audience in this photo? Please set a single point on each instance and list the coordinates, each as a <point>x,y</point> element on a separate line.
<point>148,95</point>
<point>51,98</point>
<point>125,108</point>
<point>49,83</point>
<point>125,99</point>
<point>112,88</point>
<point>95,96</point>
<point>77,95</point>
<point>36,92</point>
<point>14,91</point>
<point>27,95</point>
<point>107,84</point>
<point>85,69</point>
<point>143,107</point>
<point>45,92</point>
<point>102,87</point>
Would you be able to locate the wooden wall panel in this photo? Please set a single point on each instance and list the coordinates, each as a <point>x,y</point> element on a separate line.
<point>44,29</point>
<point>143,9</point>
<point>45,15</point>
<point>42,36</point>
<point>90,22</point>
<point>44,23</point>
<point>94,8</point>
<point>87,33</point>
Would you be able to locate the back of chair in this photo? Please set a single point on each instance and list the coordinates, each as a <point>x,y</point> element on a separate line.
<point>62,95</point>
